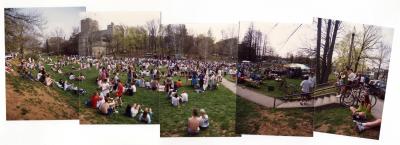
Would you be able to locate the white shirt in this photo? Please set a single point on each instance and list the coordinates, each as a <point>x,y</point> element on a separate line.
<point>133,88</point>
<point>204,121</point>
<point>313,81</point>
<point>305,86</point>
<point>185,97</point>
<point>134,112</point>
<point>175,101</point>
<point>71,77</point>
<point>105,88</point>
<point>352,76</point>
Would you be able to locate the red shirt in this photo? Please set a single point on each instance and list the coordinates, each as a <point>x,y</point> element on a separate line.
<point>120,89</point>
<point>93,101</point>
<point>179,84</point>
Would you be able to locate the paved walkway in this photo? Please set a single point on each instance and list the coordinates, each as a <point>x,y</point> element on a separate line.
<point>250,95</point>
<point>377,110</point>
<point>268,101</point>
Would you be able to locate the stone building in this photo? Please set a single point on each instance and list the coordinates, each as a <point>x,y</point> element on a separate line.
<point>92,41</point>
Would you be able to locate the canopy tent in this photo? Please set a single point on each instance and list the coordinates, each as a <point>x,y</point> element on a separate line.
<point>297,65</point>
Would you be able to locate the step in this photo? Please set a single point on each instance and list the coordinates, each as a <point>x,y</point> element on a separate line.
<point>327,100</point>
<point>318,102</point>
<point>334,99</point>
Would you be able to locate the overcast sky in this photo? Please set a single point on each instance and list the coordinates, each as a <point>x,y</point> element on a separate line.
<point>125,18</point>
<point>278,35</point>
<point>58,17</point>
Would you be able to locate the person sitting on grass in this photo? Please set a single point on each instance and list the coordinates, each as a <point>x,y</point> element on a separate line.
<point>131,89</point>
<point>48,80</point>
<point>81,77</point>
<point>147,85</point>
<point>145,117</point>
<point>184,97</point>
<point>60,84</point>
<point>68,86</point>
<point>194,123</point>
<point>39,76</point>
<point>363,112</point>
<point>132,110</point>
<point>71,76</point>
<point>94,99</point>
<point>154,84</point>
<point>203,120</point>
<point>305,85</point>
<point>108,107</point>
<point>175,100</point>
<point>360,127</point>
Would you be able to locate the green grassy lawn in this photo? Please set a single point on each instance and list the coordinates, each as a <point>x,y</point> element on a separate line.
<point>147,98</point>
<point>219,104</point>
<point>71,98</point>
<point>256,119</point>
<point>337,120</point>
<point>29,87</point>
<point>277,92</point>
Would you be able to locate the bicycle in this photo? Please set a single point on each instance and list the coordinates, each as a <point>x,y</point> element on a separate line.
<point>355,95</point>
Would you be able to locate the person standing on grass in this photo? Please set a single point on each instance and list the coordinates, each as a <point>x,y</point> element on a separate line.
<point>105,88</point>
<point>313,80</point>
<point>120,91</point>
<point>306,86</point>
<point>201,81</point>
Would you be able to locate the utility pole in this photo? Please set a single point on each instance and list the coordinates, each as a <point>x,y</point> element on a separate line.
<point>238,43</point>
<point>351,49</point>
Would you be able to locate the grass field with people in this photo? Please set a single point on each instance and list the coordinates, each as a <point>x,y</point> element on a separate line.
<point>220,105</point>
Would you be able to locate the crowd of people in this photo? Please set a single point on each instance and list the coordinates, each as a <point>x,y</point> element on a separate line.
<point>35,70</point>
<point>162,75</point>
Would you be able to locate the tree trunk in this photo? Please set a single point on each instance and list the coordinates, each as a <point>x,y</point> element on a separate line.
<point>317,54</point>
<point>326,49</point>
<point>330,53</point>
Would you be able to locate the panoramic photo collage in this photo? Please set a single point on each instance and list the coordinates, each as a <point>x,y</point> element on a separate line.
<point>196,79</point>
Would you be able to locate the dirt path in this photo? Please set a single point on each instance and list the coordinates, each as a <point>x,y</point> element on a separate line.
<point>38,103</point>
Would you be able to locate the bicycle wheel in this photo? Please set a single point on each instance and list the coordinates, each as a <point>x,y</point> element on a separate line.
<point>346,99</point>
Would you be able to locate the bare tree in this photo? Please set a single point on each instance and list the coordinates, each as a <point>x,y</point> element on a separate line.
<point>324,68</point>
<point>152,28</point>
<point>382,57</point>
<point>20,27</point>
<point>369,38</point>
<point>59,35</point>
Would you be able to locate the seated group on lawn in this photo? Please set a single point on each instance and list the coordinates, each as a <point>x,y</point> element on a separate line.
<point>111,94</point>
<point>197,123</point>
<point>29,66</point>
